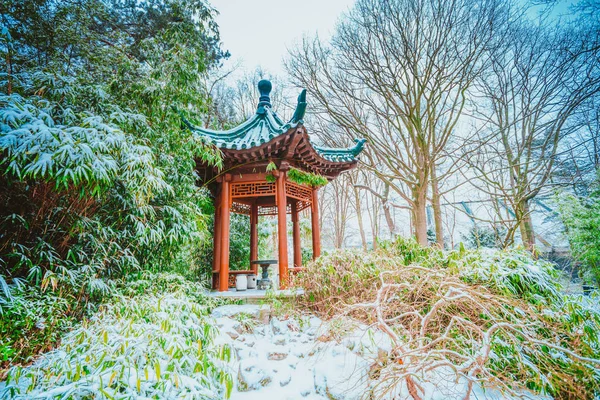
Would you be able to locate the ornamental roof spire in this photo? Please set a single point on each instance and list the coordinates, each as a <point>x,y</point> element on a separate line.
<point>264,88</point>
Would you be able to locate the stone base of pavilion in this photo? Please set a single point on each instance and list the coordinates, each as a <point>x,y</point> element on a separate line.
<point>254,296</point>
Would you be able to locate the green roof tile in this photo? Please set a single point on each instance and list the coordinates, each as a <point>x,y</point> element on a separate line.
<point>265,125</point>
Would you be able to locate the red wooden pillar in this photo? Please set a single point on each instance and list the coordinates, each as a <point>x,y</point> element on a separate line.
<point>296,236</point>
<point>282,230</point>
<point>253,237</point>
<point>316,233</point>
<point>224,258</point>
<point>217,241</point>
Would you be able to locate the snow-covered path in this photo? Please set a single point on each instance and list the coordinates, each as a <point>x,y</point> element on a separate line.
<point>290,359</point>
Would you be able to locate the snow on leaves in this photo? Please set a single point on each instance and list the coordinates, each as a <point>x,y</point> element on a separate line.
<point>91,154</point>
<point>146,346</point>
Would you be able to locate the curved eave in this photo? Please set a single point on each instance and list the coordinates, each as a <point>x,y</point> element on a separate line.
<point>308,158</point>
<point>295,149</point>
<point>347,154</point>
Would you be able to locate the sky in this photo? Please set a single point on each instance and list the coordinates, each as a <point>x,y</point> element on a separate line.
<point>258,32</point>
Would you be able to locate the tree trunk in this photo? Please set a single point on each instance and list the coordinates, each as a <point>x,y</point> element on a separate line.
<point>387,211</point>
<point>437,209</point>
<point>420,214</point>
<point>373,211</point>
<point>526,226</point>
<point>361,228</point>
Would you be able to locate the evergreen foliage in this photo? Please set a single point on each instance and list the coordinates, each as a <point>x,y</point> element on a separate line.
<point>484,236</point>
<point>306,178</point>
<point>98,176</point>
<point>581,217</point>
<point>153,340</point>
<point>239,247</point>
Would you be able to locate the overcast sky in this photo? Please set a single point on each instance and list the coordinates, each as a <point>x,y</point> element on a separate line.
<point>258,32</point>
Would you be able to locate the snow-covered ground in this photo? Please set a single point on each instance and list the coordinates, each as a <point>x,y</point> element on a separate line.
<point>149,351</point>
<point>308,358</point>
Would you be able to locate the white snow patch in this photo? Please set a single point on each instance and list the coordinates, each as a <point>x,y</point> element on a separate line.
<point>308,362</point>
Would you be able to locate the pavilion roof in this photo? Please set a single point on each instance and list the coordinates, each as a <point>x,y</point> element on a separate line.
<point>265,130</point>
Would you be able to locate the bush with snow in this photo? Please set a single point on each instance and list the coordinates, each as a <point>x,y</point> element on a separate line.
<point>511,272</point>
<point>492,317</point>
<point>151,346</point>
<point>98,178</point>
<point>83,200</point>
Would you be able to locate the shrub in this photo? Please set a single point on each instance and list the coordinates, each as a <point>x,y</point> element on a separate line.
<point>339,278</point>
<point>151,345</point>
<point>511,273</point>
<point>150,283</point>
<point>408,251</point>
<point>33,322</point>
<point>493,317</point>
<point>484,236</point>
<point>351,276</point>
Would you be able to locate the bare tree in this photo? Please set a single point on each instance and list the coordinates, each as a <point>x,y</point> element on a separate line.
<point>340,190</point>
<point>374,212</point>
<point>234,102</point>
<point>354,180</point>
<point>387,204</point>
<point>336,210</point>
<point>397,72</point>
<point>535,87</point>
<point>580,161</point>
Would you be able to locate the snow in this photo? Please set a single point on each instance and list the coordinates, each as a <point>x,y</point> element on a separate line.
<point>284,360</point>
<point>272,357</point>
<point>307,358</point>
<point>232,310</point>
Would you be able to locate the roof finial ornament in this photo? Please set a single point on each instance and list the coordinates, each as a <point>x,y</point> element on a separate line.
<point>264,88</point>
<point>358,147</point>
<point>300,108</point>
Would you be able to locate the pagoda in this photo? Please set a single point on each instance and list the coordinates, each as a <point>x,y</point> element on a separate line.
<point>257,156</point>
